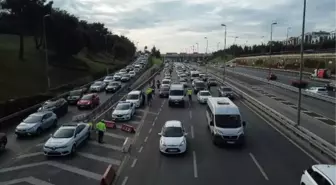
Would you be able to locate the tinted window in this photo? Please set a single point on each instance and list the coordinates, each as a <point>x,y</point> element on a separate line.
<point>172,132</point>
<point>132,97</point>
<point>87,97</point>
<point>227,121</point>
<point>33,119</point>
<point>199,84</point>
<point>123,106</point>
<point>321,90</point>
<point>64,133</point>
<point>176,92</point>
<point>318,178</point>
<point>195,75</point>
<point>114,84</point>
<point>165,82</point>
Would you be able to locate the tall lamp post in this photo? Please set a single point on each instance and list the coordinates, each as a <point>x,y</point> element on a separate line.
<point>46,50</point>
<point>301,62</point>
<point>270,53</point>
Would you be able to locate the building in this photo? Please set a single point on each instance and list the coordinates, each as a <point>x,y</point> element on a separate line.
<point>311,37</point>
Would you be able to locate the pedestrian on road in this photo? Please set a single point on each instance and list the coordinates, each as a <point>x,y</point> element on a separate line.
<point>101,128</point>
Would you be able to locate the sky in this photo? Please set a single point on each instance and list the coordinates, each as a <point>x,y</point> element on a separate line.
<point>177,25</point>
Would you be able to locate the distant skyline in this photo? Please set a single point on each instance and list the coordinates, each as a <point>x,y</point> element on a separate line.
<point>173,25</point>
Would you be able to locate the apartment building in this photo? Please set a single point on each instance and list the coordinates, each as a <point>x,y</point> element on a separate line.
<point>311,37</point>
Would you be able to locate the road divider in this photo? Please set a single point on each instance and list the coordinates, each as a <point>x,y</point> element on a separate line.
<point>127,128</point>
<point>108,176</point>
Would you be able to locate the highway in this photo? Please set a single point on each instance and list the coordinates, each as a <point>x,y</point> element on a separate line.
<point>318,116</point>
<point>267,158</point>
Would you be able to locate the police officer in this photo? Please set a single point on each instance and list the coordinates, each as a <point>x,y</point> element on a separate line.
<point>149,93</point>
<point>189,92</point>
<point>101,128</point>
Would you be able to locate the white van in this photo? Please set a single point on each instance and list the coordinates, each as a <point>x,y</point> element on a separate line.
<point>176,95</point>
<point>224,121</point>
<point>194,74</point>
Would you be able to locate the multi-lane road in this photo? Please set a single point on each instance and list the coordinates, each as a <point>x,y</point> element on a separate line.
<point>267,158</point>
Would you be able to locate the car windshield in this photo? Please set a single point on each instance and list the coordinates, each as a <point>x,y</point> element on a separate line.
<point>98,83</point>
<point>164,88</point>
<point>228,121</point>
<point>109,78</point>
<point>205,93</point>
<point>87,97</point>
<point>132,97</point>
<point>165,82</point>
<point>176,92</point>
<point>64,133</point>
<point>32,119</point>
<point>113,84</point>
<point>172,132</point>
<point>226,89</point>
<point>123,106</point>
<point>199,84</point>
<point>75,93</point>
<point>195,75</point>
<point>321,90</point>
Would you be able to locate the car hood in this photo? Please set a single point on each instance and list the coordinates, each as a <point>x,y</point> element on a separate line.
<point>121,111</point>
<point>111,86</point>
<point>94,86</point>
<point>55,142</point>
<point>171,140</point>
<point>24,125</point>
<point>84,101</point>
<point>132,101</point>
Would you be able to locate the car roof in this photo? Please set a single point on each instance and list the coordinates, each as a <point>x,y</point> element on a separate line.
<point>124,102</point>
<point>223,106</point>
<point>173,123</point>
<point>204,91</point>
<point>135,92</point>
<point>328,170</point>
<point>42,113</point>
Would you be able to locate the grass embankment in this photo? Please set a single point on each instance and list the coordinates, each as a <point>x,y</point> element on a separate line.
<point>155,61</point>
<point>24,78</point>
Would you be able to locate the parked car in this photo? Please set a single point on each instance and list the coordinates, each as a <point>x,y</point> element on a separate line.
<point>3,141</point>
<point>59,107</point>
<point>66,139</point>
<point>124,111</point>
<point>74,96</point>
<point>36,123</point>
<point>117,77</point>
<point>88,101</point>
<point>97,86</point>
<point>132,74</point>
<point>113,87</point>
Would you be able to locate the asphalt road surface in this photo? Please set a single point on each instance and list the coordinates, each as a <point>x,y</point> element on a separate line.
<point>30,166</point>
<point>267,158</point>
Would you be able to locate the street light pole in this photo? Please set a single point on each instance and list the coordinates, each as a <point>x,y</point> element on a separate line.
<point>46,51</point>
<point>301,62</point>
<point>270,53</point>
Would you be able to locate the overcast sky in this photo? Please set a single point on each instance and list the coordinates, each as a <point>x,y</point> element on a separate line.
<point>174,25</point>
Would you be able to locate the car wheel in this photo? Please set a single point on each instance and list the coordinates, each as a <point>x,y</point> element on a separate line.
<point>39,131</point>
<point>2,146</point>
<point>73,149</point>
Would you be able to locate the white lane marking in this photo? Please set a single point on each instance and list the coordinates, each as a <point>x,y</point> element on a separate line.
<point>146,139</point>
<point>65,167</point>
<point>134,162</point>
<point>140,150</point>
<point>124,181</point>
<point>195,165</point>
<point>29,155</point>
<point>153,123</point>
<point>155,118</point>
<point>289,139</point>
<point>258,165</point>
<point>30,180</point>
<point>99,158</point>
<point>114,135</point>
<point>108,146</point>
<point>192,131</point>
<point>148,112</point>
<point>190,114</point>
<point>150,130</point>
<point>160,110</point>
<point>40,144</point>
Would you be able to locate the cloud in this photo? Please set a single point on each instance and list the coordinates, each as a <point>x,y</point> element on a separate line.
<point>174,25</point>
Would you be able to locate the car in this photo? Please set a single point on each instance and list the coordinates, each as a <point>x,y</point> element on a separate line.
<point>198,86</point>
<point>97,86</point>
<point>164,91</point>
<point>88,101</point>
<point>66,139</point>
<point>225,91</point>
<point>108,79</point>
<point>165,83</point>
<point>173,138</point>
<point>74,96</point>
<point>125,78</point>
<point>3,141</point>
<point>124,111</point>
<point>318,90</point>
<point>183,81</point>
<point>298,84</point>
<point>59,107</point>
<point>272,77</point>
<point>117,77</point>
<point>136,97</point>
<point>202,96</point>
<point>195,80</point>
<point>132,74</point>
<point>113,86</point>
<point>36,123</point>
<point>167,77</point>
<point>177,95</point>
<point>331,86</point>
<point>212,82</point>
<point>319,174</point>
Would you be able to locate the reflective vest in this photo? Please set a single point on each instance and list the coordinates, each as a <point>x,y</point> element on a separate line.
<point>101,126</point>
<point>149,90</point>
<point>189,92</point>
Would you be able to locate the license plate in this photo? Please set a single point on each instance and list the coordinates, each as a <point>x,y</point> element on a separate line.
<point>231,142</point>
<point>172,150</point>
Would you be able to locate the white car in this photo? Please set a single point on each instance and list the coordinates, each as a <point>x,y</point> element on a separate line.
<point>165,83</point>
<point>66,139</point>
<point>195,80</point>
<point>203,96</point>
<point>136,97</point>
<point>132,74</point>
<point>318,90</point>
<point>319,174</point>
<point>173,138</point>
<point>125,78</point>
<point>167,77</point>
<point>97,86</point>
<point>117,77</point>
<point>108,79</point>
<point>124,111</point>
<point>183,81</point>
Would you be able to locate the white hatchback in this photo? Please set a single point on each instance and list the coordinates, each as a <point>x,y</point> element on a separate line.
<point>319,174</point>
<point>203,96</point>
<point>173,138</point>
<point>124,111</point>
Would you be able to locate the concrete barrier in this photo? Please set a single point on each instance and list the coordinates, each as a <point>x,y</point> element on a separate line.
<point>108,176</point>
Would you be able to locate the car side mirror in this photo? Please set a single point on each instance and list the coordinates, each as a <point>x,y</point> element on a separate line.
<point>244,123</point>
<point>160,134</point>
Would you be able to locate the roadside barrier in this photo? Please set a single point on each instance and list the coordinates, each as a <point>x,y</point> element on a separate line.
<point>127,128</point>
<point>108,176</point>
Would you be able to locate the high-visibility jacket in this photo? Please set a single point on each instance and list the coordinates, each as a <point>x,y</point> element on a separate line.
<point>149,90</point>
<point>189,92</point>
<point>101,126</point>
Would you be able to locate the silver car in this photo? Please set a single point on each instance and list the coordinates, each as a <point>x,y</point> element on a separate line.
<point>97,86</point>
<point>36,123</point>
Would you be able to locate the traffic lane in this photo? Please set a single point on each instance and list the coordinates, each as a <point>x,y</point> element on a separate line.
<point>162,169</point>
<point>280,161</point>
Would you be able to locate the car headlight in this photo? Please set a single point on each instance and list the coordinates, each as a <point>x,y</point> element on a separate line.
<point>182,143</point>
<point>218,132</point>
<point>162,143</point>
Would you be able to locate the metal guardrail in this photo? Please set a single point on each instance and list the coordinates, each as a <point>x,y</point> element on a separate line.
<point>328,99</point>
<point>323,146</point>
<point>35,107</point>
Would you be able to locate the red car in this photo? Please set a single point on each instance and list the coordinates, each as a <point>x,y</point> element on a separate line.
<point>3,141</point>
<point>88,101</point>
